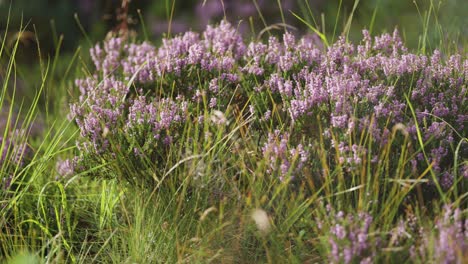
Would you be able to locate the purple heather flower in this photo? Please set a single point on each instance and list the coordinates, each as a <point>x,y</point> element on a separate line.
<point>213,102</point>
<point>267,115</point>
<point>349,240</point>
<point>448,242</point>
<point>355,88</point>
<point>280,156</point>
<point>13,150</point>
<point>66,167</point>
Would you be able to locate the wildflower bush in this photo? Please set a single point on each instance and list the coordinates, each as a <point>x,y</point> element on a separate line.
<point>15,155</point>
<point>140,96</point>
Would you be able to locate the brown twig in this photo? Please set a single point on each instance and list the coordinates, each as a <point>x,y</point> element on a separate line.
<point>122,17</point>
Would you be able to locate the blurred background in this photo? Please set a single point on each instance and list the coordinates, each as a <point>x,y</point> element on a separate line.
<point>46,20</point>
<point>61,27</point>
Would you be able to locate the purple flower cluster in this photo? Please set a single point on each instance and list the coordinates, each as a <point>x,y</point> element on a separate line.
<point>13,156</point>
<point>367,87</point>
<point>449,242</point>
<point>217,50</point>
<point>350,240</point>
<point>65,167</point>
<point>13,152</point>
<point>155,118</point>
<point>283,160</point>
<point>99,111</point>
<point>111,117</point>
<point>145,93</point>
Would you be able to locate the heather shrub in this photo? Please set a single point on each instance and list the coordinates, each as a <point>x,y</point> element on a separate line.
<point>283,160</point>
<point>140,98</point>
<point>349,238</point>
<point>442,241</point>
<point>15,155</point>
<point>446,242</point>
